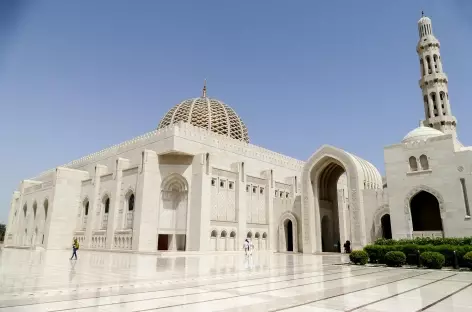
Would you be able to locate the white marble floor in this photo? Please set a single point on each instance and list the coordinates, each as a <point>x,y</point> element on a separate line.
<point>100,281</point>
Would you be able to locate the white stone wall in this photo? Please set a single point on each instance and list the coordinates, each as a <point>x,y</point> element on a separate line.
<point>442,179</point>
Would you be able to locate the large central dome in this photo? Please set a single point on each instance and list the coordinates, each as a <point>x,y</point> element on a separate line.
<point>210,114</point>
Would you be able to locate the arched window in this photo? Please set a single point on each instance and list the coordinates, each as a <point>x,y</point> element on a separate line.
<point>264,235</point>
<point>428,61</point>
<point>257,235</point>
<point>86,207</point>
<point>413,163</point>
<point>424,162</point>
<point>25,208</point>
<point>426,106</point>
<point>436,67</point>
<point>223,233</point>
<point>46,206</point>
<point>442,97</point>
<point>35,208</point>
<point>433,99</point>
<point>107,205</point>
<point>214,233</point>
<point>131,203</point>
<point>422,67</point>
<point>232,234</point>
<point>249,234</point>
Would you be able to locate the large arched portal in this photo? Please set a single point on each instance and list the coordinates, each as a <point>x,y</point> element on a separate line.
<point>425,213</point>
<point>333,181</point>
<point>332,199</point>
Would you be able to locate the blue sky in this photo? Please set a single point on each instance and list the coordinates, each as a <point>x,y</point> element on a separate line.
<point>78,76</point>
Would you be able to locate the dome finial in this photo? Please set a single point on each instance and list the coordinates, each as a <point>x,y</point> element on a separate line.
<point>422,13</point>
<point>204,93</point>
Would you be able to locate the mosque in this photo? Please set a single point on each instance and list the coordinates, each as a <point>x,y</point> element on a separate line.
<point>197,184</point>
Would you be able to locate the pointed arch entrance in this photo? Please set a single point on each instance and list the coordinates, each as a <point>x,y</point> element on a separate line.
<point>424,209</point>
<point>288,233</point>
<point>345,220</point>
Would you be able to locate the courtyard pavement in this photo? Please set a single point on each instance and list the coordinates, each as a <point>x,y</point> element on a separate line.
<point>105,281</point>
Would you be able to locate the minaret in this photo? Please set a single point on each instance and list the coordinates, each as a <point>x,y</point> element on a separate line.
<point>433,82</point>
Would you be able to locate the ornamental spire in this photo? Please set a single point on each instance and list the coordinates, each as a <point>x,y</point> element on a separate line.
<point>204,92</point>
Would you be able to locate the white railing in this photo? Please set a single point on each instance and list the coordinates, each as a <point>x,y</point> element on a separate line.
<point>430,234</point>
<point>123,240</point>
<point>129,220</point>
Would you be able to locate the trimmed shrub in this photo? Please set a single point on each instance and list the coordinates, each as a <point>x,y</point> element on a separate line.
<point>467,259</point>
<point>432,260</point>
<point>359,257</point>
<point>395,258</point>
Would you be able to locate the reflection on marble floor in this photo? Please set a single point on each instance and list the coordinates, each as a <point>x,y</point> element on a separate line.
<point>101,281</point>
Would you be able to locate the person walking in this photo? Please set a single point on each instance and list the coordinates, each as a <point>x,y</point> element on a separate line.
<point>246,246</point>
<point>75,247</point>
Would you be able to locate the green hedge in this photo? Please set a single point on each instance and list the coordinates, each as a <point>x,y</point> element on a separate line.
<point>461,241</point>
<point>377,252</point>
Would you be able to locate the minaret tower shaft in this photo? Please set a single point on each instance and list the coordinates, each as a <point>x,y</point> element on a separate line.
<point>433,82</point>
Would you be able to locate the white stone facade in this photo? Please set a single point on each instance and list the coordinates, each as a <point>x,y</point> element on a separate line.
<point>196,184</point>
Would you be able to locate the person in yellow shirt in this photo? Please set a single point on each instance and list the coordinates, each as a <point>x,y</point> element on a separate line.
<point>75,247</point>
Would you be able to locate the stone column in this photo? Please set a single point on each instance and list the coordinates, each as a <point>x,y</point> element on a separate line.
<point>273,222</point>
<point>147,203</point>
<point>116,202</point>
<point>63,209</point>
<point>198,227</point>
<point>241,207</point>
<point>94,204</point>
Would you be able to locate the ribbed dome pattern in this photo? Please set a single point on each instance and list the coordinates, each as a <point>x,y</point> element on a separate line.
<point>210,114</point>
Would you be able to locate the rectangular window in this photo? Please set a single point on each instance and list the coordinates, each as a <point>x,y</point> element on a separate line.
<point>254,189</point>
<point>231,185</point>
<point>213,182</point>
<point>222,183</point>
<point>466,197</point>
<point>247,188</point>
<point>261,190</point>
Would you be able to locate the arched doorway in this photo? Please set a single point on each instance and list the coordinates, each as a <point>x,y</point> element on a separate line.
<point>288,233</point>
<point>332,185</point>
<point>425,213</point>
<point>288,227</point>
<point>386,226</point>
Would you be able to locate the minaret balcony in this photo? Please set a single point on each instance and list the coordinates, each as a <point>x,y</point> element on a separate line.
<point>432,79</point>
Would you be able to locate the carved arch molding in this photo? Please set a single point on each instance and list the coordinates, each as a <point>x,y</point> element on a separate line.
<point>287,215</point>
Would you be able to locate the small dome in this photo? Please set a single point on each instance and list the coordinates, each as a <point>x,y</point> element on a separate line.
<point>210,114</point>
<point>424,20</point>
<point>421,133</point>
